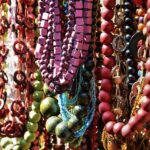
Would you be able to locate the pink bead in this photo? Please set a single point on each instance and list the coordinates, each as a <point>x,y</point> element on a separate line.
<point>103,107</point>
<point>141,113</point>
<point>145,103</point>
<point>126,130</point>
<point>133,121</point>
<point>147,65</point>
<point>109,126</point>
<point>117,127</point>
<point>147,78</point>
<point>104,96</point>
<point>106,38</point>
<point>106,85</point>
<point>107,26</point>
<point>108,116</point>
<point>148,3</point>
<point>146,90</point>
<point>148,26</point>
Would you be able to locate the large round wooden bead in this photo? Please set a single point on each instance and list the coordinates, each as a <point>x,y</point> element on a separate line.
<point>107,14</point>
<point>146,90</point>
<point>108,116</point>
<point>109,3</point>
<point>148,3</point>
<point>109,62</point>
<point>106,38</point>
<point>141,113</point>
<point>103,107</point>
<point>106,85</point>
<point>148,15</point>
<point>117,127</point>
<point>107,26</point>
<point>107,50</point>
<point>104,96</point>
<point>133,121</point>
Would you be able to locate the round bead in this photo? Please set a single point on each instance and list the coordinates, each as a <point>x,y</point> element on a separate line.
<point>106,38</point>
<point>106,85</point>
<point>127,53</point>
<point>107,50</point>
<point>108,116</point>
<point>145,103</point>
<point>128,20</point>
<point>104,96</point>
<point>133,121</point>
<point>148,26</point>
<point>106,73</point>
<point>109,126</point>
<point>117,127</point>
<point>147,64</point>
<point>126,130</point>
<point>129,61</point>
<point>131,70</point>
<point>107,14</point>
<point>103,107</point>
<point>109,3</point>
<point>107,26</point>
<point>146,90</point>
<point>109,62</point>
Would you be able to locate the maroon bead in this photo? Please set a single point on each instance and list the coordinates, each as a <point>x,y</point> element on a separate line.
<point>107,26</point>
<point>104,96</point>
<point>109,126</point>
<point>106,38</point>
<point>103,107</point>
<point>109,3</point>
<point>106,73</point>
<point>107,14</point>
<point>109,62</point>
<point>146,90</point>
<point>107,50</point>
<point>106,85</point>
<point>108,116</point>
<point>117,127</point>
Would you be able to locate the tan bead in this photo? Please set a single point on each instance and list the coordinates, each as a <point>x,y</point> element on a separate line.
<point>141,26</point>
<point>117,79</point>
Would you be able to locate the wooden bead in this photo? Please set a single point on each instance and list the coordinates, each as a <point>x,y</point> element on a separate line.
<point>141,26</point>
<point>109,3</point>
<point>107,14</point>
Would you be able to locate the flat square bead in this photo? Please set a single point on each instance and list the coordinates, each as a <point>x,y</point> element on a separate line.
<point>76,54</point>
<point>87,38</point>
<point>72,69</point>
<point>79,4</point>
<point>57,50</point>
<point>88,5</point>
<point>75,62</point>
<point>45,16</point>
<point>57,19</point>
<point>58,57</point>
<point>80,21</point>
<point>88,21</point>
<point>88,29</point>
<point>78,13</point>
<point>69,76</point>
<point>43,32</point>
<point>84,54</point>
<point>42,40</point>
<point>85,46</point>
<point>57,28</point>
<point>79,46</point>
<point>57,36</point>
<point>79,29</point>
<point>44,24</point>
<point>57,43</point>
<point>47,7</point>
<point>79,37</point>
<point>57,11</point>
<point>88,14</point>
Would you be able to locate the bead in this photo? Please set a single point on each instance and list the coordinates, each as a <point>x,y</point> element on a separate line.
<point>148,26</point>
<point>145,103</point>
<point>128,37</point>
<point>107,14</point>
<point>107,116</point>
<point>129,61</point>
<point>103,107</point>
<point>131,70</point>
<point>147,64</point>
<point>106,73</point>
<point>128,20</point>
<point>117,127</point>
<point>109,3</point>
<point>106,38</point>
<point>127,53</point>
<point>104,96</point>
<point>106,85</point>
<point>146,90</point>
<point>128,29</point>
<point>109,126</point>
<point>107,26</point>
<point>109,62</point>
<point>127,12</point>
<point>131,78</point>
<point>127,5</point>
<point>107,50</point>
<point>147,78</point>
<point>126,130</point>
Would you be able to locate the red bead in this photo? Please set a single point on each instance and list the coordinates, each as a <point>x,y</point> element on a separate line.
<point>107,26</point>
<point>106,38</point>
<point>107,50</point>
<point>148,14</point>
<point>107,14</point>
<point>109,62</point>
<point>147,78</point>
<point>109,3</point>
<point>104,96</point>
<point>106,85</point>
<point>108,116</point>
<point>106,73</point>
<point>133,121</point>
<point>103,107</point>
<point>145,103</point>
<point>138,2</point>
<point>148,26</point>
